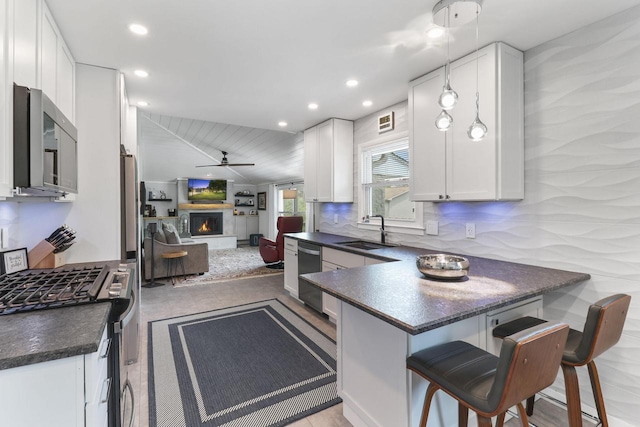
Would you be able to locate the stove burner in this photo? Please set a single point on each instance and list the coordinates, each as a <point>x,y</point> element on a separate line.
<point>39,289</point>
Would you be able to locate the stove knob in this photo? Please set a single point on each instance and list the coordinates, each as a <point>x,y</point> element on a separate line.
<point>115,289</point>
<point>122,267</point>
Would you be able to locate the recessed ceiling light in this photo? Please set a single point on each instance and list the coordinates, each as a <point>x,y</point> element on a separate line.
<point>352,83</point>
<point>435,33</point>
<point>313,106</point>
<point>367,103</point>
<point>143,103</point>
<point>282,124</point>
<point>141,73</point>
<point>138,29</point>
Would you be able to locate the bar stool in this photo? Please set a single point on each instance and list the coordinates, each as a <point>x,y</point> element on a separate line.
<point>172,261</point>
<point>489,385</point>
<point>602,330</point>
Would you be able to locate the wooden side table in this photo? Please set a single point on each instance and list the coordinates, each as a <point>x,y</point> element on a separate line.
<point>172,261</point>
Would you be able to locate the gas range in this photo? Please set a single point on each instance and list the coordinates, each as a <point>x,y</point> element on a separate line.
<point>62,287</point>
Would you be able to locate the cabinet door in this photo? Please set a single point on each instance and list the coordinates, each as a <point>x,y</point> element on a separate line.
<point>6,115</point>
<point>65,78</point>
<point>25,42</point>
<point>427,144</point>
<point>241,227</point>
<point>252,225</point>
<point>324,162</point>
<point>291,271</point>
<point>310,145</point>
<point>49,55</point>
<point>471,165</point>
<point>329,302</point>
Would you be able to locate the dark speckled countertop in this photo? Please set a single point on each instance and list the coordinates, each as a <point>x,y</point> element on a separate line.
<point>399,294</point>
<point>43,335</point>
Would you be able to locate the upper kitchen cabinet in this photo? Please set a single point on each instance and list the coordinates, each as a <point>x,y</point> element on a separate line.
<point>328,162</point>
<point>42,59</point>
<point>449,165</point>
<point>6,118</point>
<point>57,68</point>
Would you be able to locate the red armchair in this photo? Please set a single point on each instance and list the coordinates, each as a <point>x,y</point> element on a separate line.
<point>273,252</point>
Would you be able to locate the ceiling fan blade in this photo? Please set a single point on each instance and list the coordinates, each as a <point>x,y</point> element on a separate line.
<point>236,164</point>
<point>205,166</point>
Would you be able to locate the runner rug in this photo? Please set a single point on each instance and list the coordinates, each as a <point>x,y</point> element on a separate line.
<point>253,365</point>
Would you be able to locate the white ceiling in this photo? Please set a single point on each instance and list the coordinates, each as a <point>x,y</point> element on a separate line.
<point>253,63</point>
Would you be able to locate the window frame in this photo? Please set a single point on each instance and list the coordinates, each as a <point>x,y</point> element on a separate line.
<point>415,226</point>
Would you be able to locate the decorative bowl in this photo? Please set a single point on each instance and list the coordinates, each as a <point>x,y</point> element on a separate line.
<point>443,266</point>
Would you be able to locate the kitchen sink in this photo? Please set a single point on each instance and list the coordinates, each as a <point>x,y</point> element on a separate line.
<point>361,244</point>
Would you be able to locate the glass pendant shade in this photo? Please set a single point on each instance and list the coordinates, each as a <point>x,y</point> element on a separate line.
<point>448,98</point>
<point>443,121</point>
<point>477,130</point>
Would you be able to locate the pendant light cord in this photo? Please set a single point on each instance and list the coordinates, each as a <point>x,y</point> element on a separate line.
<point>448,43</point>
<point>477,67</point>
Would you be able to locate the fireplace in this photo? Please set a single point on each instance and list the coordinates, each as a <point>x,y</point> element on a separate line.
<point>205,223</point>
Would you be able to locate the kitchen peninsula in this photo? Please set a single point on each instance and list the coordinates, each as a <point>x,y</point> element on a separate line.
<point>389,310</point>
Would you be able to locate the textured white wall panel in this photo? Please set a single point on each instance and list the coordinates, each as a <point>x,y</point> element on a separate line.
<point>582,191</point>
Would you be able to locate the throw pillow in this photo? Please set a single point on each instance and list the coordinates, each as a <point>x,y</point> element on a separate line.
<point>171,234</point>
<point>160,237</point>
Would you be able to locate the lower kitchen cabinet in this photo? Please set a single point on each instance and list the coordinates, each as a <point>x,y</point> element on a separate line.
<point>68,392</point>
<point>291,266</point>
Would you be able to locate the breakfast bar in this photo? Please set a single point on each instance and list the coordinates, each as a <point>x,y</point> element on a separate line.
<point>388,311</point>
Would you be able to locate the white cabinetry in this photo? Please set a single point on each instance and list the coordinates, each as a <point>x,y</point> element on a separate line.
<point>328,162</point>
<point>63,392</point>
<point>57,66</point>
<point>291,266</point>
<point>33,54</point>
<point>246,225</point>
<point>448,165</point>
<point>6,82</point>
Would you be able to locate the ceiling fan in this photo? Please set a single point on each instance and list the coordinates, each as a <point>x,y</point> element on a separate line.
<point>225,162</point>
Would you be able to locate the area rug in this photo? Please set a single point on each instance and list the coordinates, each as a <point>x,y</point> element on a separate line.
<point>254,365</point>
<point>230,264</point>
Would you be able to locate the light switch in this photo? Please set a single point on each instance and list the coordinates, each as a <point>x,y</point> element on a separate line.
<point>335,218</point>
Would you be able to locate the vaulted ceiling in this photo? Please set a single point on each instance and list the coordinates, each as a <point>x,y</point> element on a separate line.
<point>172,147</point>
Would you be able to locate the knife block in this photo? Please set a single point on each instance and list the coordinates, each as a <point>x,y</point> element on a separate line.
<point>38,254</point>
<point>52,261</point>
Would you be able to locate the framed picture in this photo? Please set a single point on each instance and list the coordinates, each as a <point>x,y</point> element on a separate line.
<point>262,201</point>
<point>386,122</point>
<point>14,261</point>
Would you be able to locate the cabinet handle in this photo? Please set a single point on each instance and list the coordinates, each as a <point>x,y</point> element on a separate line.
<point>106,344</point>
<point>107,392</point>
<point>440,196</point>
<point>448,197</point>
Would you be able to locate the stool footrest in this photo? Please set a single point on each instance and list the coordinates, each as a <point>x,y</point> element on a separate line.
<point>516,325</point>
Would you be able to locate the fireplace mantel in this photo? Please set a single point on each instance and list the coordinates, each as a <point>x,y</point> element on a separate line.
<point>208,206</point>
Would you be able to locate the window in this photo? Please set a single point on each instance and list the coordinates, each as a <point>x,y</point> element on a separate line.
<point>291,202</point>
<point>385,184</point>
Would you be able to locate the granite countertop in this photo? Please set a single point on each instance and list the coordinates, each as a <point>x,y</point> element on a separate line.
<point>44,335</point>
<point>399,294</point>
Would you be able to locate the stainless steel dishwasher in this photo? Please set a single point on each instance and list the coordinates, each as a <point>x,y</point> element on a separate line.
<point>309,261</point>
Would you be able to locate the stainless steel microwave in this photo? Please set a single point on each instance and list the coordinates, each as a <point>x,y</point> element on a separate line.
<point>45,146</point>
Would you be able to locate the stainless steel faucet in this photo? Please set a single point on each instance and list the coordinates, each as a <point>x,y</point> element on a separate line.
<point>382,232</point>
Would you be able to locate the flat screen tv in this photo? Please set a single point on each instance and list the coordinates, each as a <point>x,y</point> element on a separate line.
<point>207,190</point>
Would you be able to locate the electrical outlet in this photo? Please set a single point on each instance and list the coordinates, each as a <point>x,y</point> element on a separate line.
<point>470,230</point>
<point>432,228</point>
<point>335,218</point>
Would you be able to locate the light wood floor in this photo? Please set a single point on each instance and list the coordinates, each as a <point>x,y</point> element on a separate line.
<point>548,414</point>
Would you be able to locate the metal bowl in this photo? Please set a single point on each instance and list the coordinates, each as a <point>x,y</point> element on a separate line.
<point>443,266</point>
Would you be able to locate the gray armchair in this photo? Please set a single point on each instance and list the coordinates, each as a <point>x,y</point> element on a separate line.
<point>196,262</point>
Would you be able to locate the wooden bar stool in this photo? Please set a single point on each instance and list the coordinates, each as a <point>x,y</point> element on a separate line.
<point>489,385</point>
<point>602,330</point>
<point>172,261</point>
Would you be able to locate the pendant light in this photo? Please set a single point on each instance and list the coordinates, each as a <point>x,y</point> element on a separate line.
<point>443,121</point>
<point>448,98</point>
<point>477,130</point>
